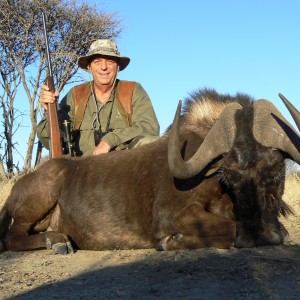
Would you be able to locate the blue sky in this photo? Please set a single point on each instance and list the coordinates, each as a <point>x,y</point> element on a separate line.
<point>176,47</point>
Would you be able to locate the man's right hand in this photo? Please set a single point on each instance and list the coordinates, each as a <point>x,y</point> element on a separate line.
<point>47,97</point>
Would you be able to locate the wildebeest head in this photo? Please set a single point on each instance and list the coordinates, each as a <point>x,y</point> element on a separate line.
<point>247,145</point>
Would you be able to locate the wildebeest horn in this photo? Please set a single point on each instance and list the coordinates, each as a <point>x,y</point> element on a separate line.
<point>219,140</point>
<point>271,129</point>
<point>292,109</point>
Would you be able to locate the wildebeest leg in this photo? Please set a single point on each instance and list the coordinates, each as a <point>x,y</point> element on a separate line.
<point>181,242</point>
<point>31,209</point>
<point>18,240</point>
<point>199,230</point>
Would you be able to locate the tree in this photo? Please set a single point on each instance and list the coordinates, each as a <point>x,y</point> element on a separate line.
<point>9,83</point>
<point>72,26</point>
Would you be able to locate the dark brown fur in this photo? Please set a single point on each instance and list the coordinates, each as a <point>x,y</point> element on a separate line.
<point>129,199</point>
<point>143,207</point>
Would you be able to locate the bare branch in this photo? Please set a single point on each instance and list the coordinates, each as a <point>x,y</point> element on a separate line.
<point>72,26</point>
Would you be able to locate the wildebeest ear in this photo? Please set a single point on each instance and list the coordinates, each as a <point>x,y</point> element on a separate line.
<point>271,129</point>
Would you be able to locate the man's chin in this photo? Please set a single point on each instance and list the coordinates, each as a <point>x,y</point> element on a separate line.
<point>104,81</point>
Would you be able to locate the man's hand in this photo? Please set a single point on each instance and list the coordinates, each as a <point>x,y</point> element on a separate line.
<point>102,147</point>
<point>47,96</point>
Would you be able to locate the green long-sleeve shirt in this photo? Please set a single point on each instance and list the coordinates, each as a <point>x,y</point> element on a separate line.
<point>144,121</point>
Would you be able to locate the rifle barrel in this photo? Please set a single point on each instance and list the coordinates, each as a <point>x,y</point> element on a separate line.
<point>47,45</point>
<point>55,138</point>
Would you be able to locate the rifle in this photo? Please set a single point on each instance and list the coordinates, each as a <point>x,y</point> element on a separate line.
<point>68,146</point>
<point>55,139</point>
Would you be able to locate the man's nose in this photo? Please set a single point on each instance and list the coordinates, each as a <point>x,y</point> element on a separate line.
<point>103,65</point>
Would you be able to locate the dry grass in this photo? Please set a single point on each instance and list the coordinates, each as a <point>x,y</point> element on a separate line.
<point>292,191</point>
<point>5,188</point>
<point>292,198</point>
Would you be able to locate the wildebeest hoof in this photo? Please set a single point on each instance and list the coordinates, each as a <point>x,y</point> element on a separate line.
<point>169,239</point>
<point>178,237</point>
<point>60,248</point>
<point>70,248</point>
<point>162,245</point>
<point>48,244</point>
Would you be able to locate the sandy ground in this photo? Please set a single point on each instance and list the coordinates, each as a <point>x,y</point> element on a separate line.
<point>257,273</point>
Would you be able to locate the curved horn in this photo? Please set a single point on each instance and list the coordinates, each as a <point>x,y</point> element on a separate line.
<point>271,129</point>
<point>292,109</point>
<point>218,141</point>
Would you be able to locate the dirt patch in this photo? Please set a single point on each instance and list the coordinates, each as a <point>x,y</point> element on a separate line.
<point>260,273</point>
<point>257,273</point>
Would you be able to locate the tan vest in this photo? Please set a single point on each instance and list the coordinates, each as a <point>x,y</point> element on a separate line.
<point>82,93</point>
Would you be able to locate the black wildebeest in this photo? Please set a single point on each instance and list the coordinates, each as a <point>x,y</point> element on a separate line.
<point>216,179</point>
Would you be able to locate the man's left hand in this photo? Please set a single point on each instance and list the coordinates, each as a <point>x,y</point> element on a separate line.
<point>101,148</point>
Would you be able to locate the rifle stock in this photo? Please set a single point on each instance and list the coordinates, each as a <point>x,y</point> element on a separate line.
<point>54,131</point>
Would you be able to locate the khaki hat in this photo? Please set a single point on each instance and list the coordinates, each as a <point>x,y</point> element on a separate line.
<point>103,47</point>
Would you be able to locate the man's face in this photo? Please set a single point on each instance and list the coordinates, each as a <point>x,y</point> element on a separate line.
<point>104,69</point>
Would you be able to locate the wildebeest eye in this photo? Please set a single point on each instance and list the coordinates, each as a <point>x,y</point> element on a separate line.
<point>224,182</point>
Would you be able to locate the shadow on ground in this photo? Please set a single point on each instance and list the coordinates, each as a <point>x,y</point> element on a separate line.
<point>259,273</point>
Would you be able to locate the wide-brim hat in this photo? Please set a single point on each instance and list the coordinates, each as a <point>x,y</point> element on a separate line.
<point>106,48</point>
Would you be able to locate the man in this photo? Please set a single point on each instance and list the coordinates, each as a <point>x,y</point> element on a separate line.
<point>106,113</point>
